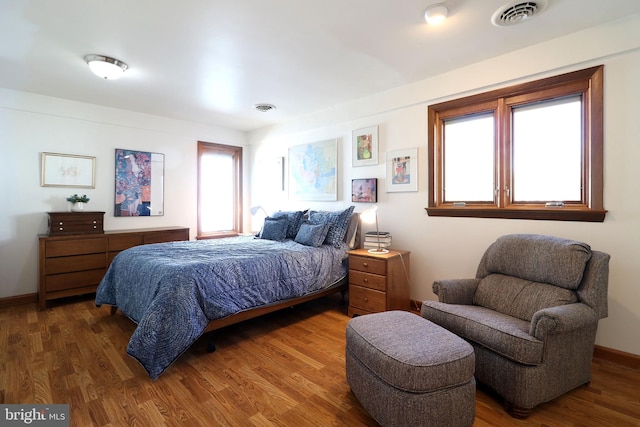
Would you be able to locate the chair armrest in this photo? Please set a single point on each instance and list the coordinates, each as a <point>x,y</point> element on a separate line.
<point>561,319</point>
<point>456,291</point>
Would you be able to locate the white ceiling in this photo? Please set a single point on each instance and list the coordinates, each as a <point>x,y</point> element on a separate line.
<point>210,61</point>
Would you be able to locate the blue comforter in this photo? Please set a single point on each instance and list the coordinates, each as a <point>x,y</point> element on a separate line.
<point>172,290</point>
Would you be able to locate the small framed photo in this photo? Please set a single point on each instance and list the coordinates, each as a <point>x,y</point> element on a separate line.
<point>68,170</point>
<point>365,146</point>
<point>364,190</point>
<point>402,170</point>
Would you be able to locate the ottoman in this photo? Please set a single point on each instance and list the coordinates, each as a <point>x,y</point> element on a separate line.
<point>408,371</point>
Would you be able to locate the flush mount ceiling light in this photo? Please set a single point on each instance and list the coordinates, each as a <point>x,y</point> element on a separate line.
<point>106,67</point>
<point>436,13</point>
<point>264,107</point>
<point>516,12</point>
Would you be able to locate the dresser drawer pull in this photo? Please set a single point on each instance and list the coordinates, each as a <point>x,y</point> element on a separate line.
<point>365,280</point>
<point>366,299</point>
<point>60,223</point>
<point>364,264</point>
<point>61,229</point>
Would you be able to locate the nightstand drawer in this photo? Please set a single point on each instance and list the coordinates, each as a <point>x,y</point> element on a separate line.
<point>368,280</point>
<point>367,299</point>
<point>370,265</point>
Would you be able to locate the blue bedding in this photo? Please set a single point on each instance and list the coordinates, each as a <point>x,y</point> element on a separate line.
<point>172,290</point>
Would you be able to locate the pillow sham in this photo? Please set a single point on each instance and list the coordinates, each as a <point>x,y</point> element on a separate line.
<point>338,223</point>
<point>312,234</point>
<point>274,229</point>
<point>294,218</point>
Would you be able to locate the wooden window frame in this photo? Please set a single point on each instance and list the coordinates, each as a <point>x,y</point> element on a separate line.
<point>588,83</point>
<point>236,153</point>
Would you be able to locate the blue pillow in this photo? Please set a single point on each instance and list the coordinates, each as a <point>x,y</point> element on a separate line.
<point>294,218</point>
<point>338,222</point>
<point>274,229</point>
<point>312,234</point>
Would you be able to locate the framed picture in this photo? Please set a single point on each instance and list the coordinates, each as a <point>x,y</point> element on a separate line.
<point>139,183</point>
<point>364,144</point>
<point>402,170</point>
<point>68,170</point>
<point>364,190</point>
<point>313,171</point>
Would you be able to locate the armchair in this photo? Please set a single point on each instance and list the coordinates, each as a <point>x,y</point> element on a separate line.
<point>530,314</point>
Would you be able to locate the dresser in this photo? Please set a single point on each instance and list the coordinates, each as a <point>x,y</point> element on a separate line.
<point>378,282</point>
<point>75,264</point>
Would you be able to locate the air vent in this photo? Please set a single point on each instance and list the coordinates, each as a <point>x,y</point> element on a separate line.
<point>264,107</point>
<point>516,12</point>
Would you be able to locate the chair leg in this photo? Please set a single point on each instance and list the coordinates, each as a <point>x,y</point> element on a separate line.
<point>517,411</point>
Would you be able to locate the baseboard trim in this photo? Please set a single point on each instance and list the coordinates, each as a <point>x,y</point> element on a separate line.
<point>629,360</point>
<point>18,299</point>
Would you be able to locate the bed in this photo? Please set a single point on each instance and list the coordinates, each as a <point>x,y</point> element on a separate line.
<point>177,291</point>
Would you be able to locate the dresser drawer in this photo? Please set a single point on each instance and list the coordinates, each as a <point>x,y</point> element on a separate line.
<point>65,281</point>
<point>56,248</point>
<point>65,223</point>
<point>75,263</point>
<point>367,299</point>
<point>368,280</point>
<point>166,236</point>
<point>369,265</point>
<point>120,243</point>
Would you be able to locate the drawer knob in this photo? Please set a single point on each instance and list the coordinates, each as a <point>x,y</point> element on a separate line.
<point>365,280</point>
<point>365,264</point>
<point>61,229</point>
<point>94,222</point>
<point>366,299</point>
<point>60,223</point>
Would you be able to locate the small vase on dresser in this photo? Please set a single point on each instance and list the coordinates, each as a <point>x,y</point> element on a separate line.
<point>77,207</point>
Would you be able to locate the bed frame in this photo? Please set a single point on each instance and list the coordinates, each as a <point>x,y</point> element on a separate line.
<point>340,286</point>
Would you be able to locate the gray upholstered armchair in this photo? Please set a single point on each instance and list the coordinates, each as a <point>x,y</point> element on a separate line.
<point>531,315</point>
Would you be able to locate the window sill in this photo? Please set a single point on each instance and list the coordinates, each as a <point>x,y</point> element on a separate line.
<point>550,214</point>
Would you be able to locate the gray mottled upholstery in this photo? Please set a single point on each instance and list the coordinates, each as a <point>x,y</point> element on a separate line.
<point>531,314</point>
<point>407,371</point>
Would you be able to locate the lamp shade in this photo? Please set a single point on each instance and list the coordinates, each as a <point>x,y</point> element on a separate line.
<point>106,67</point>
<point>370,216</point>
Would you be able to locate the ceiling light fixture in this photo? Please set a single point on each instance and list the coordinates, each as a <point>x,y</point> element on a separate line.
<point>436,13</point>
<point>106,67</point>
<point>264,107</point>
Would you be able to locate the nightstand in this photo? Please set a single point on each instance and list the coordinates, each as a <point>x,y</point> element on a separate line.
<point>378,282</point>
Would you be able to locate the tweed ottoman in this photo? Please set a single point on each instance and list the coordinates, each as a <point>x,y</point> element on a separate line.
<point>408,371</point>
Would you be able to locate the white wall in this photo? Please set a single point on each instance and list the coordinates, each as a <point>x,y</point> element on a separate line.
<point>31,124</point>
<point>451,247</point>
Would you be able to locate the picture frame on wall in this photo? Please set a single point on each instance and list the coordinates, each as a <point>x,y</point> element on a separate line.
<point>364,190</point>
<point>68,170</point>
<point>364,144</point>
<point>402,170</point>
<point>139,183</point>
<point>313,171</point>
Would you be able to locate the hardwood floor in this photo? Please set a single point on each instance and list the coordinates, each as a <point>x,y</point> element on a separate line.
<point>282,369</point>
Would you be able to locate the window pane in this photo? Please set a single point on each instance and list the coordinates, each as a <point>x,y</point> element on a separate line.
<point>469,159</point>
<point>547,140</point>
<point>216,192</point>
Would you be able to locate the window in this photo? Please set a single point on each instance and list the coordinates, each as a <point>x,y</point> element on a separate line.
<point>530,151</point>
<point>219,190</point>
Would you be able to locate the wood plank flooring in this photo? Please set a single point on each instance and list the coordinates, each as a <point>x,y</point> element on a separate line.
<point>283,369</point>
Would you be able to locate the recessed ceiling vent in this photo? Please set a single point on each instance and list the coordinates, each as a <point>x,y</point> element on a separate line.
<point>516,12</point>
<point>264,107</point>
